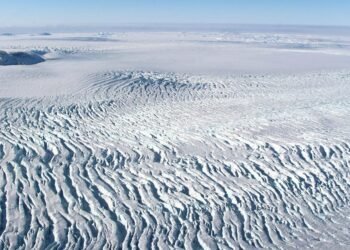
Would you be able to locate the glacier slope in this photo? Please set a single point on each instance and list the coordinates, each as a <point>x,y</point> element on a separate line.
<point>143,159</point>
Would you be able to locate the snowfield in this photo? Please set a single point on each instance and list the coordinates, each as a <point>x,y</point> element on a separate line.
<point>175,140</point>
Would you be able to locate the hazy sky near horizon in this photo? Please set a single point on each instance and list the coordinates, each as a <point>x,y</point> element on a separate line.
<point>114,12</point>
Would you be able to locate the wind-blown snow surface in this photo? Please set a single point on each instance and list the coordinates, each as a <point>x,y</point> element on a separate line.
<point>143,159</point>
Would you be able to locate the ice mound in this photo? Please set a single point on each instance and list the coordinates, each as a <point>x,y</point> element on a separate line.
<point>20,58</point>
<point>7,34</point>
<point>45,34</point>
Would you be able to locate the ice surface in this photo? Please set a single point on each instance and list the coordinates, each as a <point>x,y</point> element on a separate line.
<point>180,140</point>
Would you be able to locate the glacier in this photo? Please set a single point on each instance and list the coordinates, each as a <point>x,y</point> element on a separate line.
<point>175,141</point>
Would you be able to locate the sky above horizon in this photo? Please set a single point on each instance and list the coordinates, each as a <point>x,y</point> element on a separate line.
<point>113,12</point>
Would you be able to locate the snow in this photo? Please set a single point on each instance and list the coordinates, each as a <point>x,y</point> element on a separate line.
<point>175,140</point>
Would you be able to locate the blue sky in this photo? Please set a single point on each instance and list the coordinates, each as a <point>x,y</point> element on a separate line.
<point>114,12</point>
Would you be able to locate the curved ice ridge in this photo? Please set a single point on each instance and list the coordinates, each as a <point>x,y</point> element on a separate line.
<point>157,161</point>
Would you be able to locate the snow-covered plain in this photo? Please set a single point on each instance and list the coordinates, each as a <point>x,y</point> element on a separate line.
<point>173,140</point>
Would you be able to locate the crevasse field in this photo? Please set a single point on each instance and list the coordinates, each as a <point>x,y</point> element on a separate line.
<point>175,140</point>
